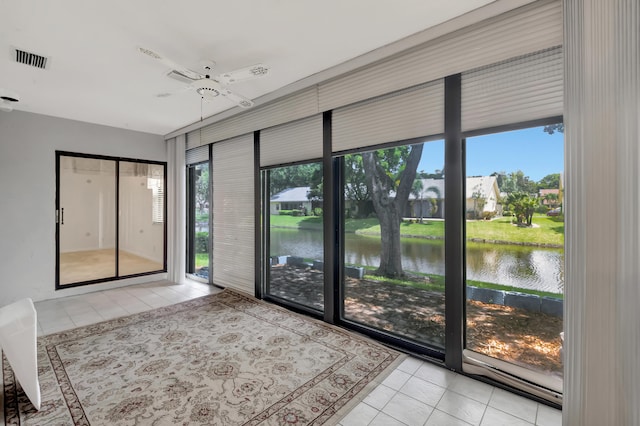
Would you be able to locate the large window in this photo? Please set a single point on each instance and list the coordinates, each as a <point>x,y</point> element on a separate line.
<point>293,214</point>
<point>393,237</point>
<point>515,248</point>
<point>369,238</point>
<point>110,218</point>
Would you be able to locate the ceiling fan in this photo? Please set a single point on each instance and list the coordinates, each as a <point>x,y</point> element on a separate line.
<point>210,86</point>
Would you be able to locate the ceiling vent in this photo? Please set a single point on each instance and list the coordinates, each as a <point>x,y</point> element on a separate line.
<point>31,59</point>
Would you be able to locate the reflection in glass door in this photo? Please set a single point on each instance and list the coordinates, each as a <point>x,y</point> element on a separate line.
<point>294,219</point>
<point>141,221</point>
<point>394,241</point>
<point>110,218</point>
<point>86,219</point>
<point>515,252</point>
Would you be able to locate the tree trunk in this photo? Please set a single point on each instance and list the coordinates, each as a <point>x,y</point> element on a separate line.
<point>391,250</point>
<point>389,210</point>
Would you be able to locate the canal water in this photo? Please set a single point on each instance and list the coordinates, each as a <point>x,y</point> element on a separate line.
<point>524,267</point>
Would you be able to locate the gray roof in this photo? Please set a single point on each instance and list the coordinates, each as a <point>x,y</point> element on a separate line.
<point>291,195</point>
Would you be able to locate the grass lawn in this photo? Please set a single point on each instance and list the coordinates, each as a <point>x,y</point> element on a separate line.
<point>202,259</point>
<point>547,230</point>
<point>437,283</point>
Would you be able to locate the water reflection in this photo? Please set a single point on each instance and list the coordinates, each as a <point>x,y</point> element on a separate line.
<point>518,266</point>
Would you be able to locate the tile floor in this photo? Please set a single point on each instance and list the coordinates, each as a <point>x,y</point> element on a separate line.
<point>416,393</point>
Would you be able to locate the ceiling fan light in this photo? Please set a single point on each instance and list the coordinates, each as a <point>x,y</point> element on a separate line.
<point>208,92</point>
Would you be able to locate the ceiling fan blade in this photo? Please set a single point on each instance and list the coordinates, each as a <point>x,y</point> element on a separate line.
<point>240,100</point>
<point>243,74</point>
<point>169,63</point>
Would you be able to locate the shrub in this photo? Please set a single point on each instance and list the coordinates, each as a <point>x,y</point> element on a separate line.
<point>202,242</point>
<point>542,209</point>
<point>488,215</point>
<point>317,211</point>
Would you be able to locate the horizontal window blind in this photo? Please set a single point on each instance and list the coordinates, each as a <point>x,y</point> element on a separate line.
<point>530,28</point>
<point>290,108</point>
<point>296,141</point>
<point>407,114</point>
<point>523,89</point>
<point>197,155</point>
<point>233,214</point>
<point>193,139</point>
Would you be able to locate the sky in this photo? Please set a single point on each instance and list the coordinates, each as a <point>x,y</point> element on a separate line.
<point>531,150</point>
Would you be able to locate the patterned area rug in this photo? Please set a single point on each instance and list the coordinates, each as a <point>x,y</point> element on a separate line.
<point>223,359</point>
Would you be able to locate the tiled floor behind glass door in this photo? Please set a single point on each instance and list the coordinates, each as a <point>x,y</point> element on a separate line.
<point>416,393</point>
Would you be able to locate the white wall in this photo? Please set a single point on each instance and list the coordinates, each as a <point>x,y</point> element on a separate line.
<point>27,194</point>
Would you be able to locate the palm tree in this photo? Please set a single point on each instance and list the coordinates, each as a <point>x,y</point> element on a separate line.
<point>421,194</point>
<point>416,190</point>
<point>551,199</point>
<point>433,200</point>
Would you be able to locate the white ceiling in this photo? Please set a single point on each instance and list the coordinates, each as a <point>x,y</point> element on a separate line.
<point>96,74</point>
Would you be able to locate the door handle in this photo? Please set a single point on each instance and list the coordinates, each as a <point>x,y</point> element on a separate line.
<point>62,216</point>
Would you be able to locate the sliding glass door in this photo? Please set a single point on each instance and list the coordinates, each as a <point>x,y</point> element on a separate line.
<point>110,218</point>
<point>142,218</point>
<point>86,219</point>
<point>515,252</point>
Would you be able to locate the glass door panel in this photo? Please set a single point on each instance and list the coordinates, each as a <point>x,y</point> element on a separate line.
<point>295,253</point>
<point>515,248</point>
<point>198,191</point>
<point>86,219</point>
<point>394,241</point>
<point>142,215</point>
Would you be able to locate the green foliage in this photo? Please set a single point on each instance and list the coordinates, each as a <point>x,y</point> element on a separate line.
<point>294,212</point>
<point>552,128</point>
<point>551,181</point>
<point>202,242</point>
<point>203,192</point>
<point>282,178</point>
<point>355,188</point>
<point>202,259</point>
<point>542,209</point>
<point>523,207</point>
<point>515,182</point>
<point>202,217</point>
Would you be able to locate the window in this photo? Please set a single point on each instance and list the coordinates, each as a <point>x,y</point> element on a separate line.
<point>515,249</point>
<point>294,257</point>
<point>394,229</point>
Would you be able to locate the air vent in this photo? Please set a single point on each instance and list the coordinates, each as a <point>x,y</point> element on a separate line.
<point>31,59</point>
